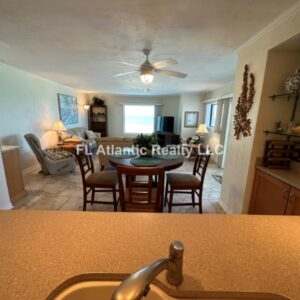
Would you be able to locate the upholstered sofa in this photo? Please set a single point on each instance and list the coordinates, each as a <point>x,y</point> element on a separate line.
<point>82,133</point>
<point>104,142</point>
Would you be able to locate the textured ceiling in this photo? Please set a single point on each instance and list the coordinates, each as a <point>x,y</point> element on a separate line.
<point>79,43</point>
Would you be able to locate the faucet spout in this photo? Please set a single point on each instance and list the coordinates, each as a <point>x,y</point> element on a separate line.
<point>137,285</point>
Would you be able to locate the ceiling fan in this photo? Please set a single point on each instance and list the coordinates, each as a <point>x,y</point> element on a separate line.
<point>148,69</point>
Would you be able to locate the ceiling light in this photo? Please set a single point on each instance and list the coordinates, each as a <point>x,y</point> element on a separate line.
<point>146,76</point>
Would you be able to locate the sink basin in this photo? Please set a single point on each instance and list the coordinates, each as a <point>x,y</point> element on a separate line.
<point>96,290</point>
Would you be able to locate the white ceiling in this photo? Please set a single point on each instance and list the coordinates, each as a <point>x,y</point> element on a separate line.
<point>78,43</point>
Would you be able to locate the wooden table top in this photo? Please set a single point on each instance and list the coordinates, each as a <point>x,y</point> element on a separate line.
<point>168,164</point>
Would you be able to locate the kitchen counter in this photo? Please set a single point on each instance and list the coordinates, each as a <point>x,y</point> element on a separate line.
<point>40,250</point>
<point>289,176</point>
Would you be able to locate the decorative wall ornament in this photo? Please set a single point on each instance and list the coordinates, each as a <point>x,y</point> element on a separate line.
<point>292,84</point>
<point>242,125</point>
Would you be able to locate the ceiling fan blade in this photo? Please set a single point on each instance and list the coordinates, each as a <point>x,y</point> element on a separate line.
<point>164,63</point>
<point>128,64</point>
<point>171,73</point>
<point>124,74</point>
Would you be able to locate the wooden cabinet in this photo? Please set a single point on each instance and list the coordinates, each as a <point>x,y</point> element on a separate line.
<point>271,196</point>
<point>98,119</point>
<point>13,174</point>
<point>293,204</point>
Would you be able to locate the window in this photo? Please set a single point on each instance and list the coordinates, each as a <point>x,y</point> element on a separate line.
<point>139,118</point>
<point>210,116</point>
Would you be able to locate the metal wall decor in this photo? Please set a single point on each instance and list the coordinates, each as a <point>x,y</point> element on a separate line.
<point>242,124</point>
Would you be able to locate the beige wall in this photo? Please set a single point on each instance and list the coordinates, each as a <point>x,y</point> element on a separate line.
<point>220,92</point>
<point>29,104</point>
<point>173,105</point>
<point>239,165</point>
<point>190,102</point>
<point>166,105</point>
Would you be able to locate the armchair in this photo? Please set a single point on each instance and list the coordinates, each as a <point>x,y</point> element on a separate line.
<point>52,161</point>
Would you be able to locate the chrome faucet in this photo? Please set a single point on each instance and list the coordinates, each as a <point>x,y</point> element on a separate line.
<point>137,285</point>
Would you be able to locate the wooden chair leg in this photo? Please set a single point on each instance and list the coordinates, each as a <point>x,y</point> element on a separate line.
<point>171,201</point>
<point>122,204</point>
<point>166,194</point>
<point>115,199</point>
<point>84,199</point>
<point>193,197</point>
<point>93,196</point>
<point>200,201</point>
<point>127,181</point>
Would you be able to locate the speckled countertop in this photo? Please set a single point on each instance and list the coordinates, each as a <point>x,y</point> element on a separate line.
<point>290,176</point>
<point>39,250</point>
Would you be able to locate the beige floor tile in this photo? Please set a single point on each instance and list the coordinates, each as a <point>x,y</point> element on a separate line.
<point>64,192</point>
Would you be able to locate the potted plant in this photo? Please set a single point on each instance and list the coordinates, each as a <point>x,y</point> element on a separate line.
<point>98,101</point>
<point>145,142</point>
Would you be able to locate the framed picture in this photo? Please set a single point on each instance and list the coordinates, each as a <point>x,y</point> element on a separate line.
<point>68,110</point>
<point>191,119</point>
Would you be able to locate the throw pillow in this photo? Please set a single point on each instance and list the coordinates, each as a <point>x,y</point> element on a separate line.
<point>91,134</point>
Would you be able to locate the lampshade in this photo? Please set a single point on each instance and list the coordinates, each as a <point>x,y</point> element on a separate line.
<point>59,126</point>
<point>86,107</point>
<point>202,129</point>
<point>146,76</point>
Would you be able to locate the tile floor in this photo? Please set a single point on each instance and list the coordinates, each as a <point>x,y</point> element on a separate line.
<point>64,192</point>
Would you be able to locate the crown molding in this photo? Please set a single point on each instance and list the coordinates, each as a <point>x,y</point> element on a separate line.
<point>283,17</point>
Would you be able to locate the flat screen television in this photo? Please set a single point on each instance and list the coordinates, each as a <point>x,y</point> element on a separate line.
<point>165,124</point>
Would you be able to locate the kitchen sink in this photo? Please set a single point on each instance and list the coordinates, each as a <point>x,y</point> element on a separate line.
<point>95,290</point>
<point>98,289</point>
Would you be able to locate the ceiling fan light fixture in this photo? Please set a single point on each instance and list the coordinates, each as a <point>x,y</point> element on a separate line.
<point>147,76</point>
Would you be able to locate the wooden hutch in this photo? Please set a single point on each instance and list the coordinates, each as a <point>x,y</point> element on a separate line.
<point>98,119</point>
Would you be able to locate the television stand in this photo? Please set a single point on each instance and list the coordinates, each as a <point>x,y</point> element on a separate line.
<point>167,138</point>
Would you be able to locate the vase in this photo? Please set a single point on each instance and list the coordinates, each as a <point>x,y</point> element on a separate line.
<point>292,84</point>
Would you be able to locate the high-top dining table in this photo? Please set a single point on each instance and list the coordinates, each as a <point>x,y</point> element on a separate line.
<point>169,163</point>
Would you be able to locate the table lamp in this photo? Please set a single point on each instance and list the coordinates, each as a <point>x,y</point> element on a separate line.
<point>202,129</point>
<point>59,126</point>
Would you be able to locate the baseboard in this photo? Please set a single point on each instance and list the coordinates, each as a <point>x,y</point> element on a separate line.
<point>225,207</point>
<point>31,168</point>
<point>7,206</point>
